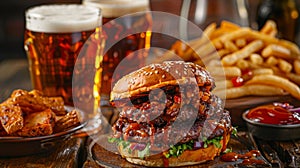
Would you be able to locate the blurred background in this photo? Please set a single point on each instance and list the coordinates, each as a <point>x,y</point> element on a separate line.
<point>12,24</point>
<point>12,16</point>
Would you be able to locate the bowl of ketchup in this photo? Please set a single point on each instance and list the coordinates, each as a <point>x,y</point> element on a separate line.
<point>277,121</point>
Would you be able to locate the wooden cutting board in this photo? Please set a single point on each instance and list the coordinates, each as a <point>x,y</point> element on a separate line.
<point>105,158</point>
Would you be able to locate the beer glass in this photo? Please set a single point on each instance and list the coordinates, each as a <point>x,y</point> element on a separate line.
<point>54,37</point>
<point>125,49</point>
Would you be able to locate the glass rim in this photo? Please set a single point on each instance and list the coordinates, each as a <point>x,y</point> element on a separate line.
<point>117,8</point>
<point>114,4</point>
<point>62,18</point>
<point>35,10</point>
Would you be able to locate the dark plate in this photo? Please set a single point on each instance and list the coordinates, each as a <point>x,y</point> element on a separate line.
<point>21,146</point>
<point>271,131</point>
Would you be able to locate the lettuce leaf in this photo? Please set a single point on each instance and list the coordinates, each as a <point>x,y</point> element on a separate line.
<point>145,152</point>
<point>177,150</point>
<point>174,150</point>
<point>126,146</point>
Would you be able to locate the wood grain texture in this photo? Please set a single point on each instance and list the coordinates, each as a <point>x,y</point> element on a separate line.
<point>64,156</point>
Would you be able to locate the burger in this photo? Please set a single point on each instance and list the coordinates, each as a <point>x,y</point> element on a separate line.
<point>168,116</point>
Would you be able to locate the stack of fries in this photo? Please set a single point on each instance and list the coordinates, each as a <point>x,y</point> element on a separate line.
<point>31,114</point>
<point>254,62</point>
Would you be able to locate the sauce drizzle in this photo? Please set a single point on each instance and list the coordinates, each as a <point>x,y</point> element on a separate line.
<point>249,158</point>
<point>166,162</point>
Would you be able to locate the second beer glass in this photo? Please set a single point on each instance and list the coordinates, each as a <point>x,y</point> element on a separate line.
<point>125,48</point>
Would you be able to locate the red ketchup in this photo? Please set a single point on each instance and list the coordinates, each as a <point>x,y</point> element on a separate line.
<point>271,114</point>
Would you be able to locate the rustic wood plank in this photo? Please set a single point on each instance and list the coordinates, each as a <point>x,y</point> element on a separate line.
<point>66,155</point>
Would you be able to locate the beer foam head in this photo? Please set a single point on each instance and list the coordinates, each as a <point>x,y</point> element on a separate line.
<point>62,18</point>
<point>117,8</point>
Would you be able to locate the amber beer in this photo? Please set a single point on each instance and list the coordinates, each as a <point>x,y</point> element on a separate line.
<point>54,37</point>
<point>126,48</point>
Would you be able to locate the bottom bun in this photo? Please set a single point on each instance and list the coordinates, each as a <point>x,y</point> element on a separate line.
<point>188,157</point>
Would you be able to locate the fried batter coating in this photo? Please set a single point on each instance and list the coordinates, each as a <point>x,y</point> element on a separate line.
<point>35,101</point>
<point>10,117</point>
<point>68,121</point>
<point>38,124</point>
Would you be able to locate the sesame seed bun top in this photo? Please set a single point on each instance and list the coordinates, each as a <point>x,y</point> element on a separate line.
<point>158,75</point>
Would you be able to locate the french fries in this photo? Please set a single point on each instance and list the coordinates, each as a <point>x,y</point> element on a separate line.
<point>256,59</point>
<point>250,90</point>
<point>274,63</point>
<point>284,66</point>
<point>276,50</point>
<point>271,61</point>
<point>269,28</point>
<point>277,81</point>
<point>297,66</point>
<point>228,71</point>
<point>228,84</point>
<point>240,42</point>
<point>263,71</point>
<point>231,59</point>
<point>294,77</point>
<point>230,46</point>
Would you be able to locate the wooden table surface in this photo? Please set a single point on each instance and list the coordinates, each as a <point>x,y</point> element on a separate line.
<point>68,155</point>
<point>84,152</point>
